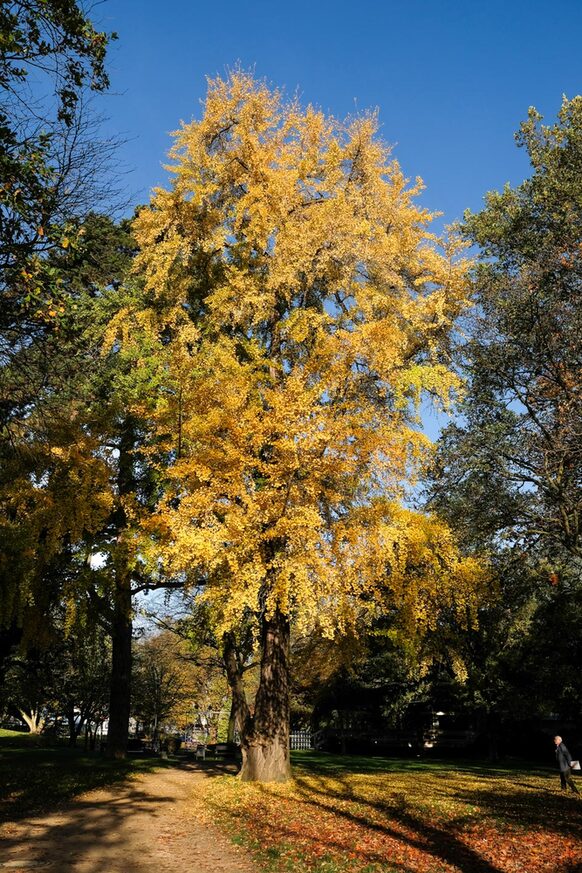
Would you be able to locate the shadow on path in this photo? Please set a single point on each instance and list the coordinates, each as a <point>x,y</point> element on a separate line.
<point>140,826</point>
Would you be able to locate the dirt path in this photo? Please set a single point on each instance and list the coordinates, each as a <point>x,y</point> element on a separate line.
<point>144,825</point>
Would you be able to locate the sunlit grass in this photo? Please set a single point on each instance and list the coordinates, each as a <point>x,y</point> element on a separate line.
<point>372,814</point>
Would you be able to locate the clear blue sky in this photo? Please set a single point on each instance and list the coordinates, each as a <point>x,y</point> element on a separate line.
<point>452,79</point>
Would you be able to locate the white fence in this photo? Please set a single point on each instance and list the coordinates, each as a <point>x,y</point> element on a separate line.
<point>300,740</point>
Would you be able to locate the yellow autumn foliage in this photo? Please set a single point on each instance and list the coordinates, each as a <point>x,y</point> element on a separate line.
<point>298,309</point>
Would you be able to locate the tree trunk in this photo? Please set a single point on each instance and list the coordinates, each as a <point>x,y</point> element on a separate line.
<point>265,735</point>
<point>73,731</point>
<point>120,689</point>
<point>33,719</point>
<point>232,724</point>
<point>239,710</point>
<point>121,625</point>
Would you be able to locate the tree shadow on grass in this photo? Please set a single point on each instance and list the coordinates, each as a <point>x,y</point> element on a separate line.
<point>393,817</point>
<point>528,807</point>
<point>400,823</point>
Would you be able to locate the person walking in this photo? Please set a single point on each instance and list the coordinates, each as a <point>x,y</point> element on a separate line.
<point>564,759</point>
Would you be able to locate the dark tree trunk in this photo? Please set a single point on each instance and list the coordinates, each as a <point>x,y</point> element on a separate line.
<point>74,729</point>
<point>265,735</point>
<point>121,624</point>
<point>232,724</point>
<point>120,688</point>
<point>239,710</point>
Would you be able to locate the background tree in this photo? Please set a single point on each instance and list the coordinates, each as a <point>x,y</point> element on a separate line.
<point>52,166</point>
<point>83,680</point>
<point>518,448</point>
<point>57,43</point>
<point>30,688</point>
<point>173,685</point>
<point>64,678</point>
<point>74,480</point>
<point>299,309</point>
<point>508,473</point>
<point>157,684</point>
<point>51,159</point>
<point>219,655</point>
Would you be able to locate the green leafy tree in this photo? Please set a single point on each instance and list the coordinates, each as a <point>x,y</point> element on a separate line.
<point>73,480</point>
<point>51,158</point>
<point>65,679</point>
<point>508,473</point>
<point>49,154</point>
<point>518,451</point>
<point>30,688</point>
<point>82,679</point>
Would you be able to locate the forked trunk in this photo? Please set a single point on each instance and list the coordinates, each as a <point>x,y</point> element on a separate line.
<point>120,689</point>
<point>265,735</point>
<point>33,719</point>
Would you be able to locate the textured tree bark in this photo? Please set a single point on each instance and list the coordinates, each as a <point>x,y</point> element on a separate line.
<point>231,730</point>
<point>120,688</point>
<point>265,736</point>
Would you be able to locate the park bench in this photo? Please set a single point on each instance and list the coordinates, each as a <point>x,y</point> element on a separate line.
<point>222,751</point>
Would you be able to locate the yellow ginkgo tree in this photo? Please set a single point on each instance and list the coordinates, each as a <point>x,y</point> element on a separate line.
<point>298,309</point>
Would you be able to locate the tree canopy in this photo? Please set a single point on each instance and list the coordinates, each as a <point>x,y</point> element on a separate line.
<point>296,309</point>
<point>223,396</point>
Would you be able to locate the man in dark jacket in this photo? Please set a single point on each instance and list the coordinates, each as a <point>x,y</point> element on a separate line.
<point>564,759</point>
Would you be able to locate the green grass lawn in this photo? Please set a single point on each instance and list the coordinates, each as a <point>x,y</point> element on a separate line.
<point>343,814</point>
<point>35,777</point>
<point>321,762</point>
<point>379,815</point>
<point>7,735</point>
